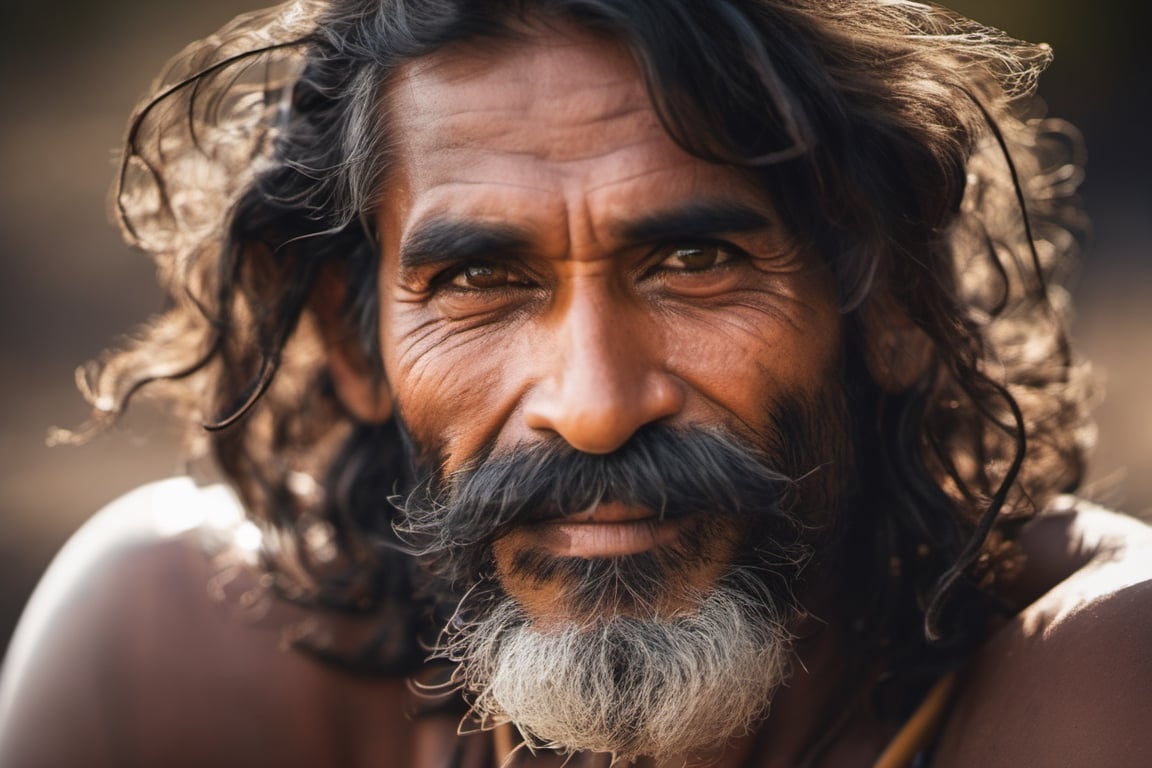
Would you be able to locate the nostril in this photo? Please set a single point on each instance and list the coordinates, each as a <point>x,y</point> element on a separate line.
<point>600,419</point>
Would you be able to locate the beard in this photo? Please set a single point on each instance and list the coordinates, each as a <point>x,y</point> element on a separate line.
<point>622,684</point>
<point>620,672</point>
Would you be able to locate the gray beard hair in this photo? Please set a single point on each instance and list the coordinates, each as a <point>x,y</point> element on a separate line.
<point>624,685</point>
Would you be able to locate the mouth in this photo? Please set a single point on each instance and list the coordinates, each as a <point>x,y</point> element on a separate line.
<point>608,529</point>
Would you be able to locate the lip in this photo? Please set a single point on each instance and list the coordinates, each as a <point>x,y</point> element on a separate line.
<point>607,530</point>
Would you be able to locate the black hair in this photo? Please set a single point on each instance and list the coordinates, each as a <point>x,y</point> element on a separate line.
<point>893,138</point>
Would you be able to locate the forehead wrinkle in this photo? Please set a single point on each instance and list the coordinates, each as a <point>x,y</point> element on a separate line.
<point>607,184</point>
<point>507,184</point>
<point>450,86</point>
<point>484,131</point>
<point>576,108</point>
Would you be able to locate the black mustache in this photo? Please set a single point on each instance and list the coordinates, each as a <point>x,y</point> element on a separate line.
<point>672,472</point>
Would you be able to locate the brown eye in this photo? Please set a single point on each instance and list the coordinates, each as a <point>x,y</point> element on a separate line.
<point>480,276</point>
<point>695,258</point>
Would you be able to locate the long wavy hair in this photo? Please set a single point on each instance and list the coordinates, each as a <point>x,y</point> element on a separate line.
<point>899,141</point>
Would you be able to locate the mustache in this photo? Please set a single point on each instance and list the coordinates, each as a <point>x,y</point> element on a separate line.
<point>450,520</point>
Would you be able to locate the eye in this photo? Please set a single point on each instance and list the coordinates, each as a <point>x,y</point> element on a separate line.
<point>696,258</point>
<point>476,277</point>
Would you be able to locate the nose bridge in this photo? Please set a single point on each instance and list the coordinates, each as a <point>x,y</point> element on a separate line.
<point>604,376</point>
<point>600,356</point>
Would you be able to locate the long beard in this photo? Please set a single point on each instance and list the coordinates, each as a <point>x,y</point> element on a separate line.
<point>624,685</point>
<point>616,675</point>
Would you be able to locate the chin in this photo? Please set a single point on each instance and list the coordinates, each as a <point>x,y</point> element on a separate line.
<point>648,614</point>
<point>630,682</point>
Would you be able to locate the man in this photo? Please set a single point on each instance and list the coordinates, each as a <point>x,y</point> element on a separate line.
<point>598,380</point>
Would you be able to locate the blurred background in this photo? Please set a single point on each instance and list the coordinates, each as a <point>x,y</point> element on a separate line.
<point>70,71</point>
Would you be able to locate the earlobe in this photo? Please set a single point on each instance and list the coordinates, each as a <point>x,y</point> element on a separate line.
<point>898,352</point>
<point>362,391</point>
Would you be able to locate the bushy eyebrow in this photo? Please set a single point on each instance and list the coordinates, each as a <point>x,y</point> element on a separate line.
<point>444,239</point>
<point>698,218</point>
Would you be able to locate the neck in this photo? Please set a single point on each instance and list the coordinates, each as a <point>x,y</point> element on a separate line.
<point>822,715</point>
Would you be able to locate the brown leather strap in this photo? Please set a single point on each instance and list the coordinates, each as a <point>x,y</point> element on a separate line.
<point>921,728</point>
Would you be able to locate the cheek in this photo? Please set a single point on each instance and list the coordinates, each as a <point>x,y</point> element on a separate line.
<point>743,360</point>
<point>452,386</point>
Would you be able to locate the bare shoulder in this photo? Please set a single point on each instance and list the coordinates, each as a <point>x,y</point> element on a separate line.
<point>1068,682</point>
<point>142,544</point>
<point>124,648</point>
<point>96,590</point>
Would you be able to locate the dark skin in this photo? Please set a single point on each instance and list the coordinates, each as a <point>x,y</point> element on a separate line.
<point>554,266</point>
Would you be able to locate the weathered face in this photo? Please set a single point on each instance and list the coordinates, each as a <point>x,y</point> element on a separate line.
<point>555,268</point>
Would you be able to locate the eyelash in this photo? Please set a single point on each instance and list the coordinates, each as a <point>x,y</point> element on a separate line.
<point>445,280</point>
<point>726,255</point>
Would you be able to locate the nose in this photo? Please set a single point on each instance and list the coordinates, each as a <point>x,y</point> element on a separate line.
<point>603,378</point>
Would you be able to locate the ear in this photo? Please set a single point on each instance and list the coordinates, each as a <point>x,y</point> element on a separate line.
<point>362,391</point>
<point>897,351</point>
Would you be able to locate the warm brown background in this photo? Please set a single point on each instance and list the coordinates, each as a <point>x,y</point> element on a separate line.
<point>70,71</point>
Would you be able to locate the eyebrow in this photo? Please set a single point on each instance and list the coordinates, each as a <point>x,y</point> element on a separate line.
<point>695,219</point>
<point>444,239</point>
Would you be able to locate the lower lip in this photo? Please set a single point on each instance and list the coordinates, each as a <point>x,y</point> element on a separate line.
<point>607,539</point>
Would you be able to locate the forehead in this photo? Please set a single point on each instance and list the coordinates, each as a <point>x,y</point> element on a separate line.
<point>545,128</point>
<point>564,79</point>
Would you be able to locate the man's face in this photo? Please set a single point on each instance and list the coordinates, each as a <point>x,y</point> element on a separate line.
<point>555,267</point>
<point>560,280</point>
